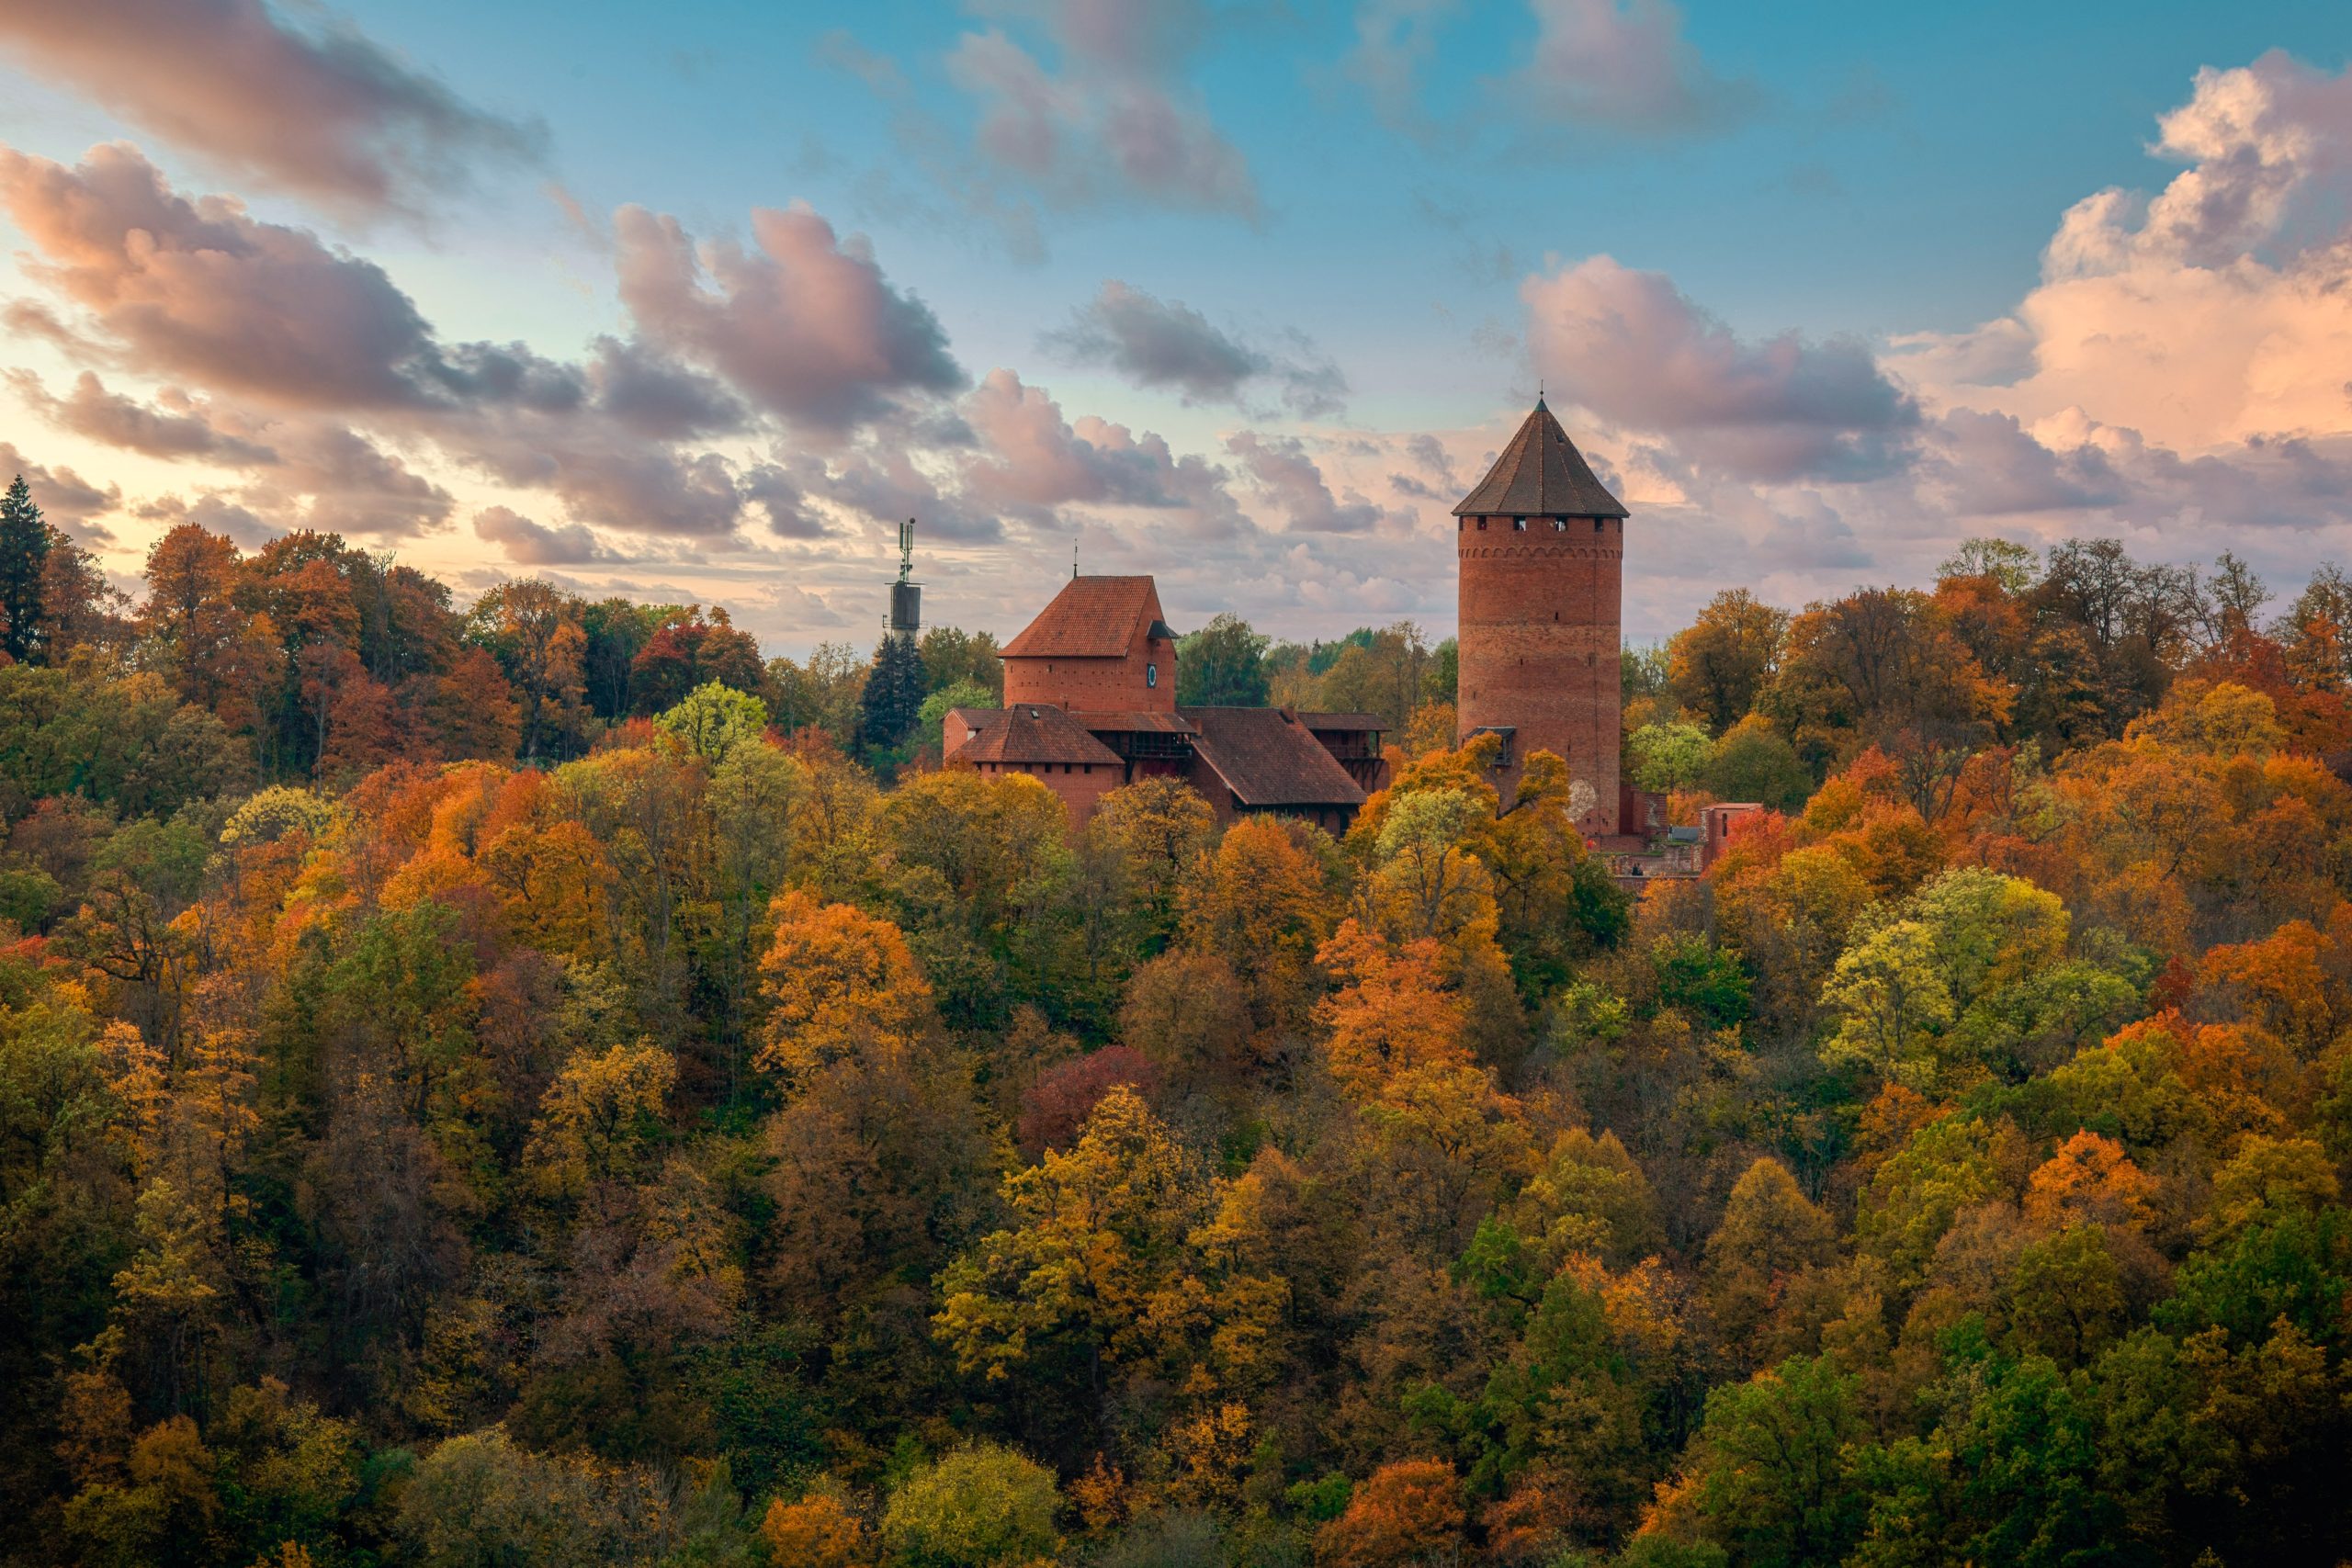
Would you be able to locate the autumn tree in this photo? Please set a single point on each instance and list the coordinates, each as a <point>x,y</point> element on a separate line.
<point>837,980</point>
<point>1723,660</point>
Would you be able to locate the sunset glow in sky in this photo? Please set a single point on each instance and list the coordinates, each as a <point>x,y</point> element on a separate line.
<point>696,301</point>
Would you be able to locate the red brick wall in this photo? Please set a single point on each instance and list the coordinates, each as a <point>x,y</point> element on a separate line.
<point>1539,634</point>
<point>1098,685</point>
<point>1080,789</point>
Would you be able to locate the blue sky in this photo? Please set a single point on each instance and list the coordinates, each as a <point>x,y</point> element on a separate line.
<point>1827,340</point>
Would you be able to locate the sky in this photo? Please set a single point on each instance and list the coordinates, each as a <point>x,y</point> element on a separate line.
<point>694,301</point>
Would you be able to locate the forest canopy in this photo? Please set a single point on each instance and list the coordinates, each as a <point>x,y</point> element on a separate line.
<point>536,1082</point>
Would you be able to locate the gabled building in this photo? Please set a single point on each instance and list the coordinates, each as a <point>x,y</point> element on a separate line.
<point>1090,705</point>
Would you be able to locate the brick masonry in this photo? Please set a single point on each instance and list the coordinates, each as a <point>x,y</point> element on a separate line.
<point>1541,626</point>
<point>1142,680</point>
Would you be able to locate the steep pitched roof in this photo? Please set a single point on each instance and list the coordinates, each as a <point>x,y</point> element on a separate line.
<point>1269,758</point>
<point>1091,617</point>
<point>1540,473</point>
<point>1029,732</point>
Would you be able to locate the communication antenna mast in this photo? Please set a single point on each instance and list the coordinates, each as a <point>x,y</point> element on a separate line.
<point>906,594</point>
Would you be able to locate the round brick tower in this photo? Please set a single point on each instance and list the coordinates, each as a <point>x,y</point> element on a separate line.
<point>1541,547</point>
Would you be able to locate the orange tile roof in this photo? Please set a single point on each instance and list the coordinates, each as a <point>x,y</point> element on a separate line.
<point>1091,617</point>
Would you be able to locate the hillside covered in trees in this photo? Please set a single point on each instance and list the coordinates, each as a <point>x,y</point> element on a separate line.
<point>542,1084</point>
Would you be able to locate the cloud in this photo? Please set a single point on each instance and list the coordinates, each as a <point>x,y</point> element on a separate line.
<point>336,480</point>
<point>1631,347</point>
<point>213,512</point>
<point>658,398</point>
<point>779,491</point>
<point>1167,343</point>
<point>2219,310</point>
<point>310,473</point>
<point>1030,457</point>
<point>64,497</point>
<point>177,431</point>
<point>804,325</point>
<point>1624,66</point>
<point>200,290</point>
<point>319,363</point>
<point>1115,123</point>
<point>526,543</point>
<point>1394,41</point>
<point>1291,481</point>
<point>324,112</point>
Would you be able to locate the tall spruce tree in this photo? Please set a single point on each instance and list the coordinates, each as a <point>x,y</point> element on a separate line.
<point>894,694</point>
<point>24,551</point>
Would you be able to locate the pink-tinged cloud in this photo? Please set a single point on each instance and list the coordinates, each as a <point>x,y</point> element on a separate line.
<point>332,479</point>
<point>1099,132</point>
<point>1287,478</point>
<point>803,323</point>
<point>1031,456</point>
<point>1623,65</point>
<point>2217,312</point>
<point>215,514</point>
<point>1633,349</point>
<point>322,111</point>
<point>201,291</point>
<point>177,431</point>
<point>526,543</point>
<point>64,497</point>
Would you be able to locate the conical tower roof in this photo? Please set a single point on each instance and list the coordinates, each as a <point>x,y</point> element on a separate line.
<point>1540,473</point>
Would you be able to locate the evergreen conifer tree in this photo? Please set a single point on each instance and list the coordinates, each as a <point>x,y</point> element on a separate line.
<point>894,694</point>
<point>24,550</point>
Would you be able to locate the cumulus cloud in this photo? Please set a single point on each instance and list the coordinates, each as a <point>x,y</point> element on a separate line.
<point>1114,122</point>
<point>803,324</point>
<point>1633,349</point>
<point>2219,310</point>
<point>323,112</point>
<point>334,478</point>
<point>1167,343</point>
<point>201,290</point>
<point>215,514</point>
<point>64,497</point>
<point>317,365</point>
<point>526,543</point>
<point>303,472</point>
<point>1290,480</point>
<point>1623,65</point>
<point>658,398</point>
<point>1030,457</point>
<point>780,491</point>
<point>180,429</point>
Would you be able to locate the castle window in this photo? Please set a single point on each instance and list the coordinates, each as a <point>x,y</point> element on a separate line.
<point>1482,525</point>
<point>1518,524</point>
<point>1151,674</point>
<point>1599,523</point>
<point>1559,524</point>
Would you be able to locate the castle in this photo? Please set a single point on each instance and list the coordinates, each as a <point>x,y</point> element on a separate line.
<point>1090,685</point>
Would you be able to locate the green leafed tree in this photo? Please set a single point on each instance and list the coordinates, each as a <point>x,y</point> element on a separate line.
<point>24,552</point>
<point>892,703</point>
<point>1222,665</point>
